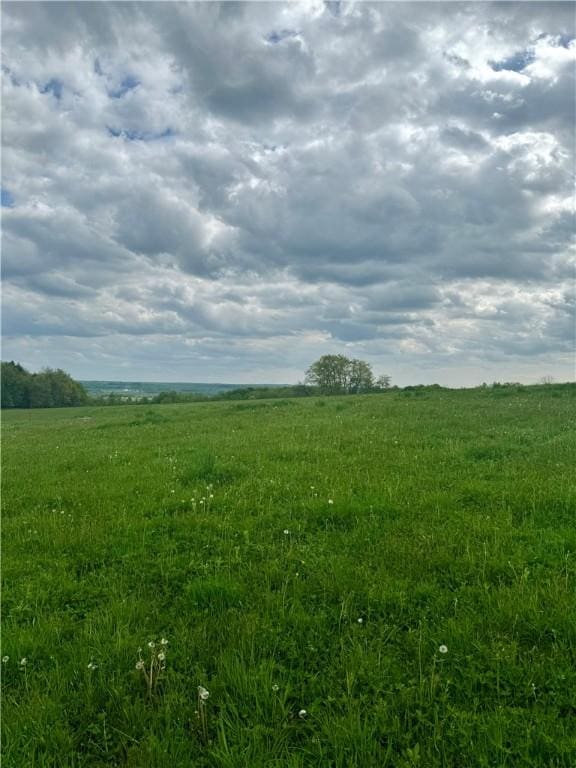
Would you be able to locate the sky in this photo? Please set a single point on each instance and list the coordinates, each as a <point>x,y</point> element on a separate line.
<point>224,192</point>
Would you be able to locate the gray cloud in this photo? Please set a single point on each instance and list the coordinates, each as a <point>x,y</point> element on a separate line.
<point>244,186</point>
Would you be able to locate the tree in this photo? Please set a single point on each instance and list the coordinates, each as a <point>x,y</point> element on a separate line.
<point>382,382</point>
<point>329,374</point>
<point>338,375</point>
<point>360,377</point>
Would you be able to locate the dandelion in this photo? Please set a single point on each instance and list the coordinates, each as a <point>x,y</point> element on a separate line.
<point>443,649</point>
<point>163,641</point>
<point>140,664</point>
<point>161,656</point>
<point>302,714</point>
<point>151,644</point>
<point>275,688</point>
<point>330,501</point>
<point>23,662</point>
<point>92,665</point>
<point>360,620</point>
<point>203,695</point>
<point>286,532</point>
<point>5,659</point>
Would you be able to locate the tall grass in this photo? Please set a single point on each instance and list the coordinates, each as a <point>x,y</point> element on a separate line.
<point>378,581</point>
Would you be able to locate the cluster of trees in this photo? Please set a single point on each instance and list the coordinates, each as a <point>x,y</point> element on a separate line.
<point>339,375</point>
<point>47,389</point>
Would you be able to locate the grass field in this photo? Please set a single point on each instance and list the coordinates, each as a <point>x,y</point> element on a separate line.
<point>357,582</point>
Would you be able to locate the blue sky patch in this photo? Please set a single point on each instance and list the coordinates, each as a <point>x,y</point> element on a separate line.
<point>53,86</point>
<point>7,199</point>
<point>515,63</point>
<point>130,135</point>
<point>277,36</point>
<point>128,84</point>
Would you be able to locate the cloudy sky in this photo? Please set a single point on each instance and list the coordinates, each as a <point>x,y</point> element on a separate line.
<point>225,192</point>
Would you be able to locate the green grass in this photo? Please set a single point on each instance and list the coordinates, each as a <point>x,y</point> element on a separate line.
<point>452,523</point>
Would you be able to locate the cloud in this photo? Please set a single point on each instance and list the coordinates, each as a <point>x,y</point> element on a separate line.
<point>254,184</point>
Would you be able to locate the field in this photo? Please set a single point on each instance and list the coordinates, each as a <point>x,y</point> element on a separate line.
<point>357,582</point>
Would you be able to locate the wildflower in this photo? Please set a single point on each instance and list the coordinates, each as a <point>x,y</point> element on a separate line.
<point>92,665</point>
<point>286,531</point>
<point>163,641</point>
<point>211,495</point>
<point>151,644</point>
<point>203,693</point>
<point>161,656</point>
<point>443,649</point>
<point>5,659</point>
<point>302,713</point>
<point>140,664</point>
<point>23,662</point>
<point>330,501</point>
<point>360,620</point>
<point>275,688</point>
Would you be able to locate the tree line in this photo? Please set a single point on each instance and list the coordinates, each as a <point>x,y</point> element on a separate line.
<point>48,389</point>
<point>329,375</point>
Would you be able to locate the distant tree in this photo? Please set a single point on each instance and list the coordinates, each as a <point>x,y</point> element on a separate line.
<point>382,382</point>
<point>330,374</point>
<point>65,390</point>
<point>360,377</point>
<point>338,375</point>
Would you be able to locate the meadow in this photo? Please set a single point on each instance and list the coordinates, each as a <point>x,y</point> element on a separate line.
<point>343,582</point>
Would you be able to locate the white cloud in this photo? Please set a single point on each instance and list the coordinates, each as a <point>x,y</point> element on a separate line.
<point>238,188</point>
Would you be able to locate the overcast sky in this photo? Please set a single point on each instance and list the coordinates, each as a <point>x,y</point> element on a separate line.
<point>225,192</point>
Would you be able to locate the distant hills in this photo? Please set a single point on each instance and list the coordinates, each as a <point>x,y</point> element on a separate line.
<point>137,389</point>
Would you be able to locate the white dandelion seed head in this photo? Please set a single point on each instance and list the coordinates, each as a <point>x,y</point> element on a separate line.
<point>140,664</point>
<point>161,656</point>
<point>360,620</point>
<point>92,665</point>
<point>203,693</point>
<point>151,644</point>
<point>443,649</point>
<point>163,641</point>
<point>5,659</point>
<point>286,531</point>
<point>23,662</point>
<point>302,713</point>
<point>275,687</point>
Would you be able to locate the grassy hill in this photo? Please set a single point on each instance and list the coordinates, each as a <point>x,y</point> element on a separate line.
<point>358,581</point>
